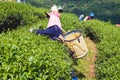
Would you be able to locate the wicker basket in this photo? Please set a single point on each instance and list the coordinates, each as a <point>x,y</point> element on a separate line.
<point>75,41</point>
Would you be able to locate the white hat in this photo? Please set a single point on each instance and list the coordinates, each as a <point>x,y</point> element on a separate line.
<point>54,8</point>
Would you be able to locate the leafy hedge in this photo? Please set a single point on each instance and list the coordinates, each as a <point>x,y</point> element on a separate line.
<point>15,14</point>
<point>108,44</point>
<point>29,56</point>
<point>70,21</point>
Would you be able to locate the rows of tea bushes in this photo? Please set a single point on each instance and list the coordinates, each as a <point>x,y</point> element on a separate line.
<point>26,56</point>
<point>107,37</point>
<point>15,14</point>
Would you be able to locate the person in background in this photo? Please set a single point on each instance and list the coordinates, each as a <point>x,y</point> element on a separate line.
<point>60,9</point>
<point>117,25</point>
<point>54,28</point>
<point>90,17</point>
<point>81,17</point>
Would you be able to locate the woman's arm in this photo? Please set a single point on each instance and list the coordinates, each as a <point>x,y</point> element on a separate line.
<point>47,14</point>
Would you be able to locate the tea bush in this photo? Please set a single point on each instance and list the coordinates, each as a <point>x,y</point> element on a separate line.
<point>25,55</point>
<point>28,56</point>
<point>16,14</point>
<point>107,38</point>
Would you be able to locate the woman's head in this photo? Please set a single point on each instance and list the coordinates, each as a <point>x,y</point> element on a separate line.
<point>54,8</point>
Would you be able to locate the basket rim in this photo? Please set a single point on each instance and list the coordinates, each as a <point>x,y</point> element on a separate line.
<point>70,33</point>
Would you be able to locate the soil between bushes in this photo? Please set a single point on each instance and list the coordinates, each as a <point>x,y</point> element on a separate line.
<point>91,59</point>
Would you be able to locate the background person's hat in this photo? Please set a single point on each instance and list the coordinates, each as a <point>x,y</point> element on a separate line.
<point>92,14</point>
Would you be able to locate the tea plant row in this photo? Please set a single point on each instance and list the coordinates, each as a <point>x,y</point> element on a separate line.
<point>25,55</point>
<point>14,14</point>
<point>107,39</point>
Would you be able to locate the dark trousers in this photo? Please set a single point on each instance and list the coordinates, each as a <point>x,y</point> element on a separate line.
<point>53,31</point>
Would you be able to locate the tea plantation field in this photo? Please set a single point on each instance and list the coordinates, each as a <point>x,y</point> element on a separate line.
<point>27,56</point>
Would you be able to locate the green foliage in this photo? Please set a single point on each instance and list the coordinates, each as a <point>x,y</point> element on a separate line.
<point>28,56</point>
<point>107,10</point>
<point>14,14</point>
<point>108,41</point>
<point>70,21</point>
